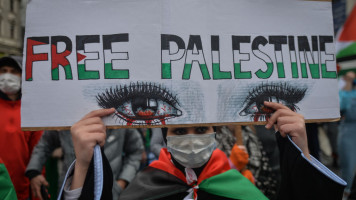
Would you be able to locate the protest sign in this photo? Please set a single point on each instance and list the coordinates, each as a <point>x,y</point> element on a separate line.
<point>174,62</point>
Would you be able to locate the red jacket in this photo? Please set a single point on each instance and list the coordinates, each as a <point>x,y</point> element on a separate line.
<point>16,145</point>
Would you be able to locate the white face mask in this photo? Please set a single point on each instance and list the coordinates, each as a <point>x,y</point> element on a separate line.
<point>9,83</point>
<point>191,150</point>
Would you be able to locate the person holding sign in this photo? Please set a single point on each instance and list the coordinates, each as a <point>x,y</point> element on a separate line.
<point>191,168</point>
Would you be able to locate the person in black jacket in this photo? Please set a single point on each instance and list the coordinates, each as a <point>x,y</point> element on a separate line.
<point>191,168</point>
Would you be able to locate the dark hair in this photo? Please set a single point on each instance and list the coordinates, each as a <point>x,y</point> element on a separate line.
<point>10,62</point>
<point>164,134</point>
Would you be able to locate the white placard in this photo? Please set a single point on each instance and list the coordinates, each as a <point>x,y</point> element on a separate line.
<point>169,62</point>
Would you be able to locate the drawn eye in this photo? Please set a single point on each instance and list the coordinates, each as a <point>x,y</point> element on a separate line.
<point>141,103</point>
<point>283,93</point>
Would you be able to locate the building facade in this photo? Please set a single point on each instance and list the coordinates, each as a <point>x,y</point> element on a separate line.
<point>11,29</point>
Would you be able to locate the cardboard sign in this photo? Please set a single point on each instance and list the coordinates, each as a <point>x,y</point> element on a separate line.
<point>174,62</point>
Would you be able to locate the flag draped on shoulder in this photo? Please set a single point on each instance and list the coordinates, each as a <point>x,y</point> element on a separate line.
<point>162,180</point>
<point>346,39</point>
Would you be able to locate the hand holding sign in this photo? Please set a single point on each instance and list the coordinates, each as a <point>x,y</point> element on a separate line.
<point>289,123</point>
<point>87,133</point>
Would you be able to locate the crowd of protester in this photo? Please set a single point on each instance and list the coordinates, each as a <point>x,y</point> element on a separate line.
<point>252,150</point>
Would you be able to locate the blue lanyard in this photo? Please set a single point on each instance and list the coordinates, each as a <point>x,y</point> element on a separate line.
<point>98,173</point>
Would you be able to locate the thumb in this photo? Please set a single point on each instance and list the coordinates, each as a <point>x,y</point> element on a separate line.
<point>45,183</point>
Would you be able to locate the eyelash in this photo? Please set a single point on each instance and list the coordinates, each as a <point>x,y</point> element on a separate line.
<point>281,92</point>
<point>117,97</point>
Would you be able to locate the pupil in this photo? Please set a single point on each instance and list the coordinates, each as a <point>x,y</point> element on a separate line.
<point>144,104</point>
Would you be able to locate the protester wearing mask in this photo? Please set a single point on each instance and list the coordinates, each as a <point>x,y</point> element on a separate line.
<point>10,83</point>
<point>15,145</point>
<point>190,167</point>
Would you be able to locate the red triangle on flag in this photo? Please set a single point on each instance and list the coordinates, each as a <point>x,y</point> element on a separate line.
<point>80,57</point>
<point>349,30</point>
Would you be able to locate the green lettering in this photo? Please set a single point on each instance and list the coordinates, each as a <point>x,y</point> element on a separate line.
<point>327,74</point>
<point>267,73</point>
<point>83,74</point>
<point>280,69</point>
<point>240,74</point>
<point>217,74</point>
<point>303,67</point>
<point>111,73</point>
<point>67,70</point>
<point>166,71</point>
<point>295,70</point>
<point>314,70</point>
<point>188,68</point>
<point>55,74</point>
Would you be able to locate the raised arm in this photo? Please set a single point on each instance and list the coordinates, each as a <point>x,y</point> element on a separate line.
<point>289,123</point>
<point>303,177</point>
<point>86,133</point>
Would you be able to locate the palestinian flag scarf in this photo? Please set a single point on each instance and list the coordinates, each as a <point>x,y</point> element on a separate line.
<point>346,39</point>
<point>7,190</point>
<point>162,180</point>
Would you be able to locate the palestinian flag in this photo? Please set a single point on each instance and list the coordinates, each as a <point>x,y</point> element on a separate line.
<point>7,190</point>
<point>162,180</point>
<point>346,40</point>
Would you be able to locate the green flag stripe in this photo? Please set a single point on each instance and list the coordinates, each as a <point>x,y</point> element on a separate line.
<point>343,72</point>
<point>232,184</point>
<point>348,51</point>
